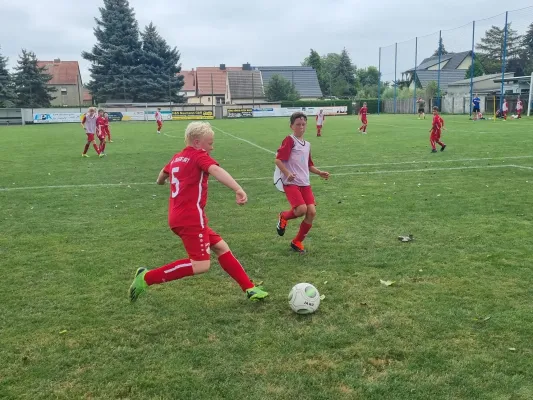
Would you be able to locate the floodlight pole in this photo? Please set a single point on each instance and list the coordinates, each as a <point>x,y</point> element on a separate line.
<point>504,56</point>
<point>438,73</point>
<point>530,95</point>
<point>379,81</point>
<point>414,74</point>
<point>395,79</point>
<point>472,67</point>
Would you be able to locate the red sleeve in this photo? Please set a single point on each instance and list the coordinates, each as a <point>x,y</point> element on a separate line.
<point>166,168</point>
<point>310,163</point>
<point>84,119</point>
<point>284,151</point>
<point>204,161</point>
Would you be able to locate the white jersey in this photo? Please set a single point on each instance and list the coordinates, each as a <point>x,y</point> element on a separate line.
<point>519,105</point>
<point>320,119</point>
<point>158,116</point>
<point>505,108</point>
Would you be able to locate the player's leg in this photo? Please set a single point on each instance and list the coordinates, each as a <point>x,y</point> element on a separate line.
<point>365,124</point>
<point>432,143</point>
<point>440,143</point>
<point>197,263</point>
<point>86,148</point>
<point>233,267</point>
<point>295,199</point>
<point>309,216</point>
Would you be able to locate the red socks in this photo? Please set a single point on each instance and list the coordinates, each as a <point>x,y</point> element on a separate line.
<point>233,268</point>
<point>86,148</point>
<point>102,147</point>
<point>288,214</point>
<point>170,272</point>
<point>302,233</point>
<point>96,148</point>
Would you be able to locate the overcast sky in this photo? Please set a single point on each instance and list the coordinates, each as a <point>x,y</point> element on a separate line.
<point>271,32</point>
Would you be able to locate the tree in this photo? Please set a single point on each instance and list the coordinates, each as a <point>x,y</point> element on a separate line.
<point>478,69</point>
<point>160,80</point>
<point>329,65</point>
<point>344,75</point>
<point>315,61</point>
<point>443,50</point>
<point>116,56</point>
<point>491,48</point>
<point>30,82</point>
<point>279,89</point>
<point>527,55</point>
<point>7,92</point>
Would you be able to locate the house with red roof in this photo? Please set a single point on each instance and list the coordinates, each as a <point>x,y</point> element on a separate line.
<point>66,80</point>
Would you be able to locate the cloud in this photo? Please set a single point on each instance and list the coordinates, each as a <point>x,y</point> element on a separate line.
<point>274,32</point>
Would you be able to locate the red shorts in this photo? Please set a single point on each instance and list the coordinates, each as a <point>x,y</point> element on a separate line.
<point>105,129</point>
<point>319,126</point>
<point>159,124</point>
<point>90,137</point>
<point>101,135</point>
<point>435,135</point>
<point>364,121</point>
<point>197,241</point>
<point>299,195</point>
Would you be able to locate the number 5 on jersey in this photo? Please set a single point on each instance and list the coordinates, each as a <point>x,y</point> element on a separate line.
<point>174,181</point>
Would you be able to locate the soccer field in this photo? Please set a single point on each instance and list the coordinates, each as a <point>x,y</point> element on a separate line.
<point>456,324</point>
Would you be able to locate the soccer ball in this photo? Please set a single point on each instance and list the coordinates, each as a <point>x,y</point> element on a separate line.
<point>304,298</point>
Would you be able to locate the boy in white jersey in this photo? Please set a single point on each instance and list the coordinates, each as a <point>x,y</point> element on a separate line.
<point>320,118</point>
<point>294,161</point>
<point>89,124</point>
<point>159,120</point>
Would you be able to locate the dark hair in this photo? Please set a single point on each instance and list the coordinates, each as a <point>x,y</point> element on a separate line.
<point>297,115</point>
<point>100,110</point>
<point>435,108</point>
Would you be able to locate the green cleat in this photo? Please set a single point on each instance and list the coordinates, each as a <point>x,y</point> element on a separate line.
<point>256,293</point>
<point>139,285</point>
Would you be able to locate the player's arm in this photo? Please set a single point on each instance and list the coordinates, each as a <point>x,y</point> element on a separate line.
<point>221,175</point>
<point>83,121</point>
<point>162,178</point>
<point>290,176</point>
<point>322,174</point>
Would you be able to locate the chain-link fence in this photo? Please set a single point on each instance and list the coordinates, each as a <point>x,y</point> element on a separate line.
<point>452,68</point>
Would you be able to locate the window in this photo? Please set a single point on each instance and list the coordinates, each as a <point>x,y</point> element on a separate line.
<point>63,91</point>
<point>220,100</point>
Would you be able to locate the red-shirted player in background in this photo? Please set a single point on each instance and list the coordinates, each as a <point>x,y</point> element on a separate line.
<point>320,118</point>
<point>107,129</point>
<point>436,130</point>
<point>89,124</point>
<point>159,120</point>
<point>293,158</point>
<point>519,108</point>
<point>362,115</point>
<point>189,172</point>
<point>505,109</point>
<point>100,131</point>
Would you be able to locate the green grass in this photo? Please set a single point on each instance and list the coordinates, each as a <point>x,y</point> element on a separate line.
<point>68,255</point>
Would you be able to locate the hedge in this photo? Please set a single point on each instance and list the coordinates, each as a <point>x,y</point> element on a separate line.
<point>319,103</point>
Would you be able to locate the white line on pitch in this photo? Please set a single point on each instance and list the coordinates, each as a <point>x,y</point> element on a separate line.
<point>244,140</point>
<point>383,172</point>
<point>427,161</point>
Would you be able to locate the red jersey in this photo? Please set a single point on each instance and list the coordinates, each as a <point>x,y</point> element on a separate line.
<point>437,123</point>
<point>363,111</point>
<point>188,176</point>
<point>106,121</point>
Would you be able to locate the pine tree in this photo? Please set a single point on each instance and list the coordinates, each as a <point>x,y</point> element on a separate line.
<point>116,56</point>
<point>279,89</point>
<point>443,49</point>
<point>344,78</point>
<point>491,45</point>
<point>527,55</point>
<point>30,82</point>
<point>315,61</point>
<point>160,80</point>
<point>7,92</point>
